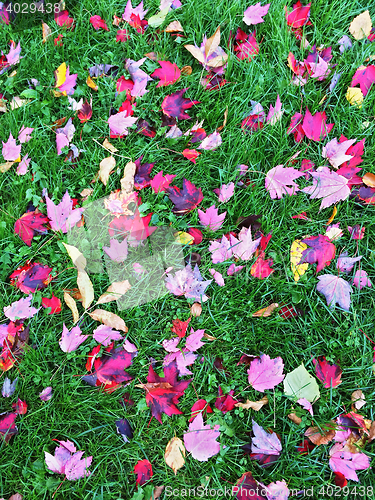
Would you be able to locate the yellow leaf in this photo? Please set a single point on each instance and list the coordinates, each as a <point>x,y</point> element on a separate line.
<point>183,238</point>
<point>109,319</point>
<point>174,454</point>
<point>253,405</point>
<point>4,167</point>
<point>77,257</point>
<point>71,303</point>
<point>212,43</point>
<point>361,26</point>
<point>60,75</point>
<point>355,96</point>
<point>114,292</point>
<point>85,287</point>
<point>334,213</point>
<point>195,52</point>
<point>186,70</point>
<point>295,256</point>
<point>90,82</point>
<point>106,166</point>
<point>174,26</point>
<point>266,311</point>
<point>109,146</point>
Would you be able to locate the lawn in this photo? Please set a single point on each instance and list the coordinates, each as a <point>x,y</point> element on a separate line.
<point>85,414</point>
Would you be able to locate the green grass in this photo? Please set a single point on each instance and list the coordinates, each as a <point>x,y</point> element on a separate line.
<point>87,416</point>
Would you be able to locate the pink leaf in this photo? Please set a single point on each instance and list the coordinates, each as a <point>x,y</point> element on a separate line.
<point>306,405</point>
<point>64,136</point>
<point>188,282</point>
<point>10,151</point>
<point>71,340</point>
<point>365,77</point>
<point>275,114</point>
<point>211,219</point>
<point>62,216</point>
<point>168,73</point>
<point>200,440</point>
<point>193,341</point>
<point>345,263</point>
<point>335,151</point>
<point>14,54</point>
<point>357,232</point>
<point>104,335</point>
<point>211,142</point>
<point>120,122</point>
<point>361,279</point>
<point>264,443</point>
<point>225,192</point>
<point>137,11</point>
<point>265,373</point>
<point>161,183</point>
<point>118,252</point>
<point>221,251</point>
<point>98,23</point>
<point>218,277</point>
<point>318,69</point>
<point>335,290</point>
<point>278,491</point>
<point>254,14</point>
<point>122,36</point>
<point>329,186</point>
<point>21,309</point>
<point>244,247</point>
<point>76,466</point>
<point>69,83</point>
<point>346,462</point>
<point>23,166</point>
<point>139,77</point>
<point>46,394</point>
<point>315,126</point>
<point>279,181</point>
<point>233,269</point>
<point>171,345</point>
<point>24,134</point>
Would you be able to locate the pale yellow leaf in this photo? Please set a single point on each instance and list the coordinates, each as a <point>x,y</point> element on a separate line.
<point>106,166</point>
<point>174,454</point>
<point>85,193</point>
<point>17,102</point>
<point>253,405</point>
<point>296,251</point>
<point>109,319</point>
<point>47,32</point>
<point>212,43</point>
<point>77,257</point>
<point>114,292</point>
<point>159,18</point>
<point>174,26</point>
<point>218,61</point>
<point>4,167</point>
<point>195,52</point>
<point>71,303</point>
<point>86,288</point>
<point>3,106</point>
<point>361,26</point>
<point>109,146</point>
<point>127,181</point>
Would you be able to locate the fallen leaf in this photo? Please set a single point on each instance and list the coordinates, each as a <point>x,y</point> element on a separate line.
<point>109,319</point>
<point>336,290</point>
<point>254,405</point>
<point>106,167</point>
<point>77,256</point>
<point>71,340</point>
<point>265,373</point>
<point>294,418</point>
<point>70,302</point>
<point>200,440</point>
<point>321,435</point>
<point>114,292</point>
<point>329,374</point>
<point>173,27</point>
<point>266,311</point>
<point>143,469</point>
<point>358,399</point>
<point>174,454</point>
<point>300,384</point>
<point>369,179</point>
<point>86,288</point>
<point>361,26</point>
<point>346,462</point>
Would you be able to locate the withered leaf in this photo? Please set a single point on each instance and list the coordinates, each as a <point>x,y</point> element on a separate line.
<point>109,319</point>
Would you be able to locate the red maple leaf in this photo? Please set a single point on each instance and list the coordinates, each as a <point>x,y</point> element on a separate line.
<point>356,150</point>
<point>85,113</point>
<point>31,277</point>
<point>245,45</point>
<point>198,135</point>
<point>167,74</point>
<point>162,393</point>
<point>198,406</point>
<point>185,199</point>
<point>144,128</point>
<point>295,127</point>
<point>142,177</point>
<point>7,426</point>
<point>262,267</point>
<point>180,327</point>
<point>191,154</point>
<point>54,303</point>
<point>124,85</point>
<point>174,105</point>
<point>367,194</point>
<point>340,479</point>
<point>62,19</point>
<point>320,251</point>
<point>364,77</point>
<point>137,226</point>
<point>98,23</point>
<point>305,447</point>
<point>247,487</point>
<point>225,402</point>
<point>196,234</point>
<point>138,23</point>
<point>143,469</point>
<point>29,224</point>
<point>329,374</point>
<point>299,16</point>
<point>315,126</point>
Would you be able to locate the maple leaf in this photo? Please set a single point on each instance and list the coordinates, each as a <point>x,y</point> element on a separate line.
<point>137,11</point>
<point>200,406</point>
<point>246,46</point>
<point>62,19</point>
<point>7,426</point>
<point>66,460</point>
<point>31,277</point>
<point>357,232</point>
<point>299,16</point>
<point>139,77</point>
<point>221,250</point>
<point>180,327</point>
<point>318,69</point>
<point>118,252</point>
<point>335,290</point>
<point>361,279</point>
<point>64,136</point>
<point>160,182</point>
<point>191,154</point>
<point>13,57</point>
<point>29,224</point>
<point>8,387</point>
<point>174,105</point>
<point>65,82</point>
<point>320,251</point>
<point>168,74</point>
<point>335,152</point>
<point>144,128</point>
<point>218,277</point>
<point>211,142</point>
<point>344,461</point>
<point>200,440</point>
<point>275,114</point>
<point>356,151</point>
<point>24,134</point>
<point>185,199</point>
<point>244,247</point>
<point>296,128</point>
<point>211,219</point>
<point>225,192</point>
<point>345,263</point>
<point>62,216</point>
<point>188,282</point>
<point>105,335</point>
<point>329,186</point>
<point>265,373</point>
<point>23,166</point>
<point>265,447</point>
<point>247,487</point>
<point>254,14</point>
<point>54,303</point>
<point>209,54</point>
<point>98,23</point>
<point>85,112</point>
<point>225,402</point>
<point>122,36</point>
<point>10,150</point>
<point>21,309</point>
<point>120,122</point>
<point>364,77</point>
<point>329,374</point>
<point>71,340</point>
<point>279,181</point>
<point>142,177</point>
<point>315,126</point>
<point>143,469</point>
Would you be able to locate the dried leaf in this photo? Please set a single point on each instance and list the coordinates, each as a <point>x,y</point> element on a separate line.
<point>106,167</point>
<point>90,82</point>
<point>186,70</point>
<point>86,288</point>
<point>77,257</point>
<point>174,454</point>
<point>85,193</point>
<point>212,43</point>
<point>334,213</point>
<point>4,167</point>
<point>47,32</point>
<point>358,399</point>
<point>109,319</point>
<point>294,418</point>
<point>114,292</point>
<point>208,337</point>
<point>361,26</point>
<point>266,311</point>
<point>196,309</point>
<point>127,181</point>
<point>195,52</point>
<point>109,146</point>
<point>253,405</point>
<point>369,179</point>
<point>174,26</point>
<point>321,436</point>
<point>70,302</point>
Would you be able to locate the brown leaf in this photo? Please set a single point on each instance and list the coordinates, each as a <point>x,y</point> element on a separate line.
<point>114,292</point>
<point>85,193</point>
<point>218,61</point>
<point>321,436</point>
<point>174,26</point>
<point>174,454</point>
<point>109,146</point>
<point>361,26</point>
<point>106,167</point>
<point>58,123</point>
<point>109,319</point>
<point>196,309</point>
<point>266,311</point>
<point>195,52</point>
<point>369,179</point>
<point>209,337</point>
<point>85,287</point>
<point>156,494</point>
<point>77,257</point>
<point>372,432</point>
<point>253,405</point>
<point>219,129</point>
<point>186,70</point>
<point>47,32</point>
<point>90,82</point>
<point>294,418</point>
<point>212,43</point>
<point>70,302</point>
<point>3,106</point>
<point>358,399</point>
<point>116,20</point>
<point>153,56</point>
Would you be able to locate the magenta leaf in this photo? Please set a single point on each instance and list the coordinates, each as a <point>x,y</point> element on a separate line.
<point>46,394</point>
<point>137,11</point>
<point>264,445</point>
<point>98,23</point>
<point>329,374</point>
<point>329,186</point>
<point>315,126</point>
<point>275,114</point>
<point>10,150</point>
<point>62,216</point>
<point>221,250</point>
<point>160,182</point>
<point>225,192</point>
<point>254,14</point>
<point>335,289</point>
<point>265,373</point>
<point>218,277</point>
<point>168,73</point>
<point>69,83</point>
<point>279,181</point>
<point>211,219</point>
<point>361,279</point>
<point>13,57</point>
<point>77,467</point>
<point>71,340</point>
<point>364,77</point>
<point>342,460</point>
<point>200,440</point>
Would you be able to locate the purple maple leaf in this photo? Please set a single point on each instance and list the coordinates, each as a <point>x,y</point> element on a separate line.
<point>335,290</point>
<point>254,14</point>
<point>137,11</point>
<point>211,219</point>
<point>118,252</point>
<point>71,340</point>
<point>139,77</point>
<point>345,263</point>
<point>10,150</point>
<point>329,186</point>
<point>211,142</point>
<point>62,216</point>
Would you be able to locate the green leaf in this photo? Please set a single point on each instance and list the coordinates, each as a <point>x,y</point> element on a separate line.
<point>29,94</point>
<point>158,19</point>
<point>300,384</point>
